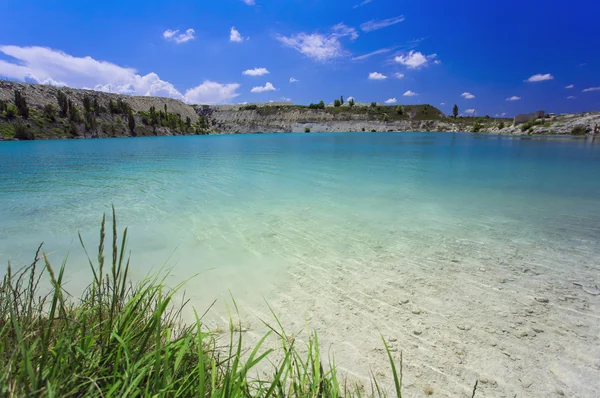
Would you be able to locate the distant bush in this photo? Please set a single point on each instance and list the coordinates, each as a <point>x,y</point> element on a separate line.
<point>363,129</point>
<point>399,110</point>
<point>50,112</point>
<point>578,130</point>
<point>529,125</point>
<point>351,102</point>
<point>373,131</point>
<point>501,125</point>
<point>248,107</point>
<point>337,103</point>
<point>23,132</point>
<point>320,105</point>
<point>11,111</point>
<point>3,106</point>
<point>307,130</point>
<point>373,104</point>
<point>477,127</point>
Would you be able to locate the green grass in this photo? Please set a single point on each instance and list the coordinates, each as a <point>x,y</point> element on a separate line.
<point>121,339</point>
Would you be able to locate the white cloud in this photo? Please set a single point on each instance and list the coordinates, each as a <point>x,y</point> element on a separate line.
<point>364,2</point>
<point>212,93</point>
<point>571,97</point>
<point>48,66</point>
<point>540,78</point>
<point>570,86</point>
<point>249,2</point>
<point>409,94</point>
<point>375,25</point>
<point>414,59</point>
<point>399,75</point>
<point>318,46</point>
<point>285,99</point>
<point>262,89</point>
<point>365,56</point>
<point>391,101</point>
<point>293,80</point>
<point>377,76</point>
<point>350,99</point>
<point>256,72</point>
<point>470,112</point>
<point>442,103</point>
<point>466,95</point>
<point>342,30</point>
<point>174,35</point>
<point>235,36</point>
<point>437,62</point>
<point>501,114</point>
<point>587,90</point>
<point>513,98</point>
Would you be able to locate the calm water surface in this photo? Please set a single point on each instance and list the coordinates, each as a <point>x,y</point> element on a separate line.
<point>250,206</point>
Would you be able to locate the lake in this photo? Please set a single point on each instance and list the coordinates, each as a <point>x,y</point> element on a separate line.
<point>335,230</point>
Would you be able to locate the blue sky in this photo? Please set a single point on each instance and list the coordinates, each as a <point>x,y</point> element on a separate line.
<point>476,54</point>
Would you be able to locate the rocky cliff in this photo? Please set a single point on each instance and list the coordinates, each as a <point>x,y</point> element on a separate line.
<point>92,114</point>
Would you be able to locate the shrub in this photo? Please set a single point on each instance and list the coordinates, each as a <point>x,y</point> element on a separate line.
<point>50,112</point>
<point>351,102</point>
<point>477,127</point>
<point>363,129</point>
<point>337,103</point>
<point>501,125</point>
<point>578,130</point>
<point>399,110</point>
<point>11,111</point>
<point>23,132</point>
<point>249,107</point>
<point>373,104</point>
<point>307,130</point>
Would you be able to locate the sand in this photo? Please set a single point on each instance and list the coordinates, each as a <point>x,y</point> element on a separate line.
<point>459,312</point>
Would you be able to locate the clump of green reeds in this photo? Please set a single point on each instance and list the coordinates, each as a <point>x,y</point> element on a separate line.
<point>123,340</point>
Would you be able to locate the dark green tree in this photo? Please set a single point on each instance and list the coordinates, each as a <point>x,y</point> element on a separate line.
<point>321,105</point>
<point>63,104</point>
<point>188,122</point>
<point>97,109</point>
<point>166,110</point>
<point>351,102</point>
<point>87,103</point>
<point>342,99</point>
<point>373,104</point>
<point>399,110</point>
<point>455,111</point>
<point>21,105</point>
<point>131,120</point>
<point>337,103</point>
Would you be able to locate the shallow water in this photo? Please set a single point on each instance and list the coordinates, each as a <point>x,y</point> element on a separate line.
<point>336,230</point>
<point>255,204</point>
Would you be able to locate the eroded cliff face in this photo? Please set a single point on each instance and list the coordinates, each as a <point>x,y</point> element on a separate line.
<point>239,119</point>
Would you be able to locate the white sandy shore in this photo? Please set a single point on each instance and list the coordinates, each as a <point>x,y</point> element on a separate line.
<point>459,312</point>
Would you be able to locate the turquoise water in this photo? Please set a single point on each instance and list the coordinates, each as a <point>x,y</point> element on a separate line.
<point>450,236</point>
<point>256,204</point>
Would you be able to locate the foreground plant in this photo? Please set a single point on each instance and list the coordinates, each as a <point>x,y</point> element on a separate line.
<point>125,340</point>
